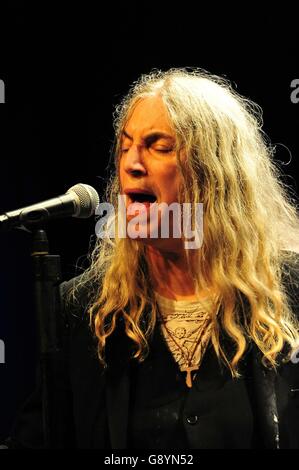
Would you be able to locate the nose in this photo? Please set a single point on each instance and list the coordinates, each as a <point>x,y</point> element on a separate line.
<point>134,164</point>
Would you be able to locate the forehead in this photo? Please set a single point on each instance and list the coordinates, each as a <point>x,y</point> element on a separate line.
<point>149,114</point>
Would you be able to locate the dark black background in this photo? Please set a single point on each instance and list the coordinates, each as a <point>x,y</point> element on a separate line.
<point>64,70</point>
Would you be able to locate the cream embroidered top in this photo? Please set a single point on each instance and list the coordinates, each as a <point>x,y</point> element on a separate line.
<point>186,326</point>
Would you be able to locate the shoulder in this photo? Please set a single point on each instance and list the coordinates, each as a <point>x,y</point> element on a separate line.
<point>76,295</point>
<point>290,279</point>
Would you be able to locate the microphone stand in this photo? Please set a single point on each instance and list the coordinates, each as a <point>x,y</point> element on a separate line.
<point>47,277</point>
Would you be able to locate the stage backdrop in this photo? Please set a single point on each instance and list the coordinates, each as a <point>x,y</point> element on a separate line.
<point>57,122</point>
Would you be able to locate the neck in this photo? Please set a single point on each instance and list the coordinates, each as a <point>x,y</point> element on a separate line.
<point>170,274</point>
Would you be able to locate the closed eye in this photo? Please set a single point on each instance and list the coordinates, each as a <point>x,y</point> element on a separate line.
<point>160,150</point>
<point>164,150</point>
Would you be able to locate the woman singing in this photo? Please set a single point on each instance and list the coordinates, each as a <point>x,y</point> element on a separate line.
<point>174,345</point>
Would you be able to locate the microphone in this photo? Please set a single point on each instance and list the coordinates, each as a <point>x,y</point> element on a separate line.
<point>79,201</point>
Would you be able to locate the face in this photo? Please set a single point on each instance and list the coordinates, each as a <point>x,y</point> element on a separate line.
<point>148,164</point>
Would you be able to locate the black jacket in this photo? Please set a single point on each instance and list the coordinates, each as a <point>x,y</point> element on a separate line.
<point>89,397</point>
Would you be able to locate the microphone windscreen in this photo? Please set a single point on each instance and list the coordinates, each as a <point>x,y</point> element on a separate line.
<point>88,200</point>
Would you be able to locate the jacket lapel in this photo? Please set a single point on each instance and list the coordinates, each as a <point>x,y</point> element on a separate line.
<point>265,401</point>
<point>117,399</point>
<point>118,387</point>
<point>264,392</point>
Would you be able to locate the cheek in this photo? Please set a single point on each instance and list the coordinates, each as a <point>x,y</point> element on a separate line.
<point>170,183</point>
<point>121,172</point>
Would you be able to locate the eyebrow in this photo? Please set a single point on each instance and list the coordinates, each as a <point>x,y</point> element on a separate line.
<point>152,137</point>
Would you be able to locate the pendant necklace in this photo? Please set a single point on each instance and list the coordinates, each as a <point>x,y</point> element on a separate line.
<point>189,368</point>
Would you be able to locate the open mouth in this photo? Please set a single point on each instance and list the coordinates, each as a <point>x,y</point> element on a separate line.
<point>142,198</point>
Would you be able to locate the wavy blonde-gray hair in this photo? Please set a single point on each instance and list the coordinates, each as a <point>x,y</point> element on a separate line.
<point>251,223</point>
